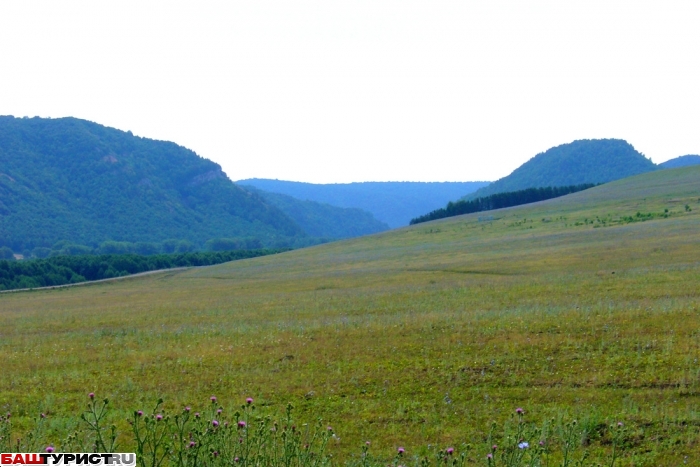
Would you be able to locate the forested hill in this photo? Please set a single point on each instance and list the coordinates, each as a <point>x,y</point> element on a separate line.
<point>394,203</point>
<point>323,220</point>
<point>74,180</point>
<point>581,162</point>
<point>682,161</point>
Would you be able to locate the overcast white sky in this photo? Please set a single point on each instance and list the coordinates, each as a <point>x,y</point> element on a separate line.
<point>341,91</point>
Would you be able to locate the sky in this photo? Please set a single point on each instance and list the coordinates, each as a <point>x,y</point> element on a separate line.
<point>345,91</point>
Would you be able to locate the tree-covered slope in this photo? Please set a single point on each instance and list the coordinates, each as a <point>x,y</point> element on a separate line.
<point>394,203</point>
<point>322,220</point>
<point>584,161</point>
<point>70,179</point>
<point>682,161</point>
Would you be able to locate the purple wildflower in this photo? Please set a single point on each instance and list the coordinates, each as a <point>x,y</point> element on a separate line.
<point>236,459</point>
<point>192,444</point>
<point>494,447</point>
<point>219,411</point>
<point>213,399</point>
<point>49,449</point>
<point>450,451</point>
<point>187,409</point>
<point>249,400</point>
<point>519,411</point>
<point>196,415</point>
<point>241,424</point>
<point>489,456</point>
<point>159,417</point>
<point>215,423</point>
<point>139,413</point>
<point>43,415</point>
<point>91,395</point>
<point>401,451</point>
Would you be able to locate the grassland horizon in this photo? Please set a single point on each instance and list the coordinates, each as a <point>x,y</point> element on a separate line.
<point>583,307</point>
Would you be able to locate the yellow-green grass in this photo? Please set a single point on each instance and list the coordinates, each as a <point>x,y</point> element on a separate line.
<point>421,335</point>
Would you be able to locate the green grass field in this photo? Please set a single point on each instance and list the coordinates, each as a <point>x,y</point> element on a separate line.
<point>584,307</point>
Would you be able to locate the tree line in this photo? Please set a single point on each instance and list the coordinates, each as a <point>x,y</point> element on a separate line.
<point>500,200</point>
<point>60,270</point>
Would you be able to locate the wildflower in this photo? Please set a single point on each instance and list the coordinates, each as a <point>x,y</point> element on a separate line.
<point>159,417</point>
<point>215,423</point>
<point>401,451</point>
<point>236,459</point>
<point>187,409</point>
<point>519,411</point>
<point>215,453</point>
<point>249,400</point>
<point>620,424</point>
<point>329,428</point>
<point>524,445</point>
<point>542,443</point>
<point>196,415</point>
<point>494,447</point>
<point>43,415</point>
<point>450,451</point>
<point>192,444</point>
<point>219,411</point>
<point>367,443</point>
<point>49,449</point>
<point>489,456</point>
<point>139,413</point>
<point>213,399</point>
<point>241,424</point>
<point>91,395</point>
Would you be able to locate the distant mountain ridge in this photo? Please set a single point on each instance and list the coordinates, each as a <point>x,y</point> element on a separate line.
<point>580,162</point>
<point>394,203</point>
<point>322,220</point>
<point>682,161</point>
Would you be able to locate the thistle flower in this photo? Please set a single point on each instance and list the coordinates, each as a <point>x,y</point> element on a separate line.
<point>241,424</point>
<point>91,395</point>
<point>196,415</point>
<point>249,400</point>
<point>49,449</point>
<point>159,417</point>
<point>192,444</point>
<point>450,451</point>
<point>43,415</point>
<point>187,409</point>
<point>519,411</point>
<point>215,423</point>
<point>219,411</point>
<point>489,456</point>
<point>401,451</point>
<point>213,399</point>
<point>494,447</point>
<point>139,413</point>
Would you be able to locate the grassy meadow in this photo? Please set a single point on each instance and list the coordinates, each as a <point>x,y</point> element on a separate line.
<point>584,307</point>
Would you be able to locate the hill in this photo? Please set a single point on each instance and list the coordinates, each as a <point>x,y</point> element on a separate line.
<point>394,203</point>
<point>74,180</point>
<point>581,162</point>
<point>323,220</point>
<point>582,307</point>
<point>682,161</point>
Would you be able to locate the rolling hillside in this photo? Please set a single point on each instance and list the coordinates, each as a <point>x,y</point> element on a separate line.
<point>394,203</point>
<point>577,163</point>
<point>582,307</point>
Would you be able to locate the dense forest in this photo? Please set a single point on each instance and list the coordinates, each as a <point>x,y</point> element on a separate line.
<point>72,180</point>
<point>394,203</point>
<point>500,200</point>
<point>583,161</point>
<point>62,270</point>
